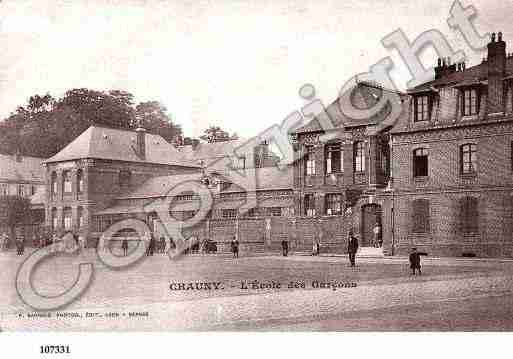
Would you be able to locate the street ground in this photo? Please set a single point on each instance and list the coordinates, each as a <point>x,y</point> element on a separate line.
<point>451,294</point>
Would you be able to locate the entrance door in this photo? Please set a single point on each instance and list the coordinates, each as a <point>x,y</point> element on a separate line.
<point>371,213</point>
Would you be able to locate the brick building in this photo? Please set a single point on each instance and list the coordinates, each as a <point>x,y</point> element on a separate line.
<point>439,179</point>
<point>453,161</point>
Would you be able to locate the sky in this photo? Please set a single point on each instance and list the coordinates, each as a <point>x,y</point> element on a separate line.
<point>238,64</point>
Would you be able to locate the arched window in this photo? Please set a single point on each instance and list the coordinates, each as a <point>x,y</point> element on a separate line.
<point>469,215</point>
<point>80,181</point>
<point>54,183</point>
<point>55,222</point>
<point>359,156</point>
<point>420,216</point>
<point>66,182</point>
<point>420,162</point>
<point>468,158</point>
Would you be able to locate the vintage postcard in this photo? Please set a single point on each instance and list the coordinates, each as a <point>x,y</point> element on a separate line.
<point>249,165</point>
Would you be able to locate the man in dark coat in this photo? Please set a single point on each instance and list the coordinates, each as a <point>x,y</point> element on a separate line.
<point>285,247</point>
<point>415,261</point>
<point>124,245</point>
<point>352,248</point>
<point>235,247</point>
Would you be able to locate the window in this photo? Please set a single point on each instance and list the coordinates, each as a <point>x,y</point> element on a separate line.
<point>469,215</point>
<point>80,181</point>
<point>470,102</point>
<point>274,211</point>
<point>21,190</point>
<point>310,205</point>
<point>333,204</point>
<point>334,159</point>
<point>420,162</point>
<point>420,216</point>
<point>468,158</point>
<point>66,182</point>
<point>359,157</point>
<point>240,162</point>
<point>422,109</point>
<point>4,189</point>
<point>124,178</point>
<point>54,183</point>
<point>55,222</point>
<point>32,190</point>
<point>252,212</point>
<point>188,215</point>
<point>67,218</point>
<point>310,161</point>
<point>229,213</point>
<point>80,216</point>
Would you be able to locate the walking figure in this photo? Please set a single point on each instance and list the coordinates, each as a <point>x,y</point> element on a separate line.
<point>20,241</point>
<point>352,248</point>
<point>285,247</point>
<point>415,261</point>
<point>124,245</point>
<point>235,247</point>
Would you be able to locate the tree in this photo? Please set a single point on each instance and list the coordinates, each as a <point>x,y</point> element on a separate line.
<point>215,134</point>
<point>154,117</point>
<point>14,210</point>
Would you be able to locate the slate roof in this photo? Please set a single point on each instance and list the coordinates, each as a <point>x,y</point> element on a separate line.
<point>211,150</point>
<point>115,144</point>
<point>29,169</point>
<point>362,96</point>
<point>470,75</point>
<point>267,178</point>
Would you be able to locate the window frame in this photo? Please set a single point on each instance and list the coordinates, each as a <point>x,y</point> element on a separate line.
<point>66,182</point>
<point>470,104</point>
<point>425,110</point>
<point>80,181</point>
<point>359,165</point>
<point>310,169</point>
<point>331,149</point>
<point>229,213</point>
<point>309,205</point>
<point>331,200</point>
<point>67,219</point>
<point>417,168</point>
<point>472,159</point>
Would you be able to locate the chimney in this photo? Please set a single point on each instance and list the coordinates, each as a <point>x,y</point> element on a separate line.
<point>438,69</point>
<point>496,73</point>
<point>141,142</point>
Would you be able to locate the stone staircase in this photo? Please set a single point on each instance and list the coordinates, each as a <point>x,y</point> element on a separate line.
<point>370,252</point>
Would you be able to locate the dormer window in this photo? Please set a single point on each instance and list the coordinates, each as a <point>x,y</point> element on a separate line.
<point>470,102</point>
<point>422,108</point>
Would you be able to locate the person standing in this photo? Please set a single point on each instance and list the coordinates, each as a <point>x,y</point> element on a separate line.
<point>352,248</point>
<point>285,247</point>
<point>235,247</point>
<point>415,261</point>
<point>377,235</point>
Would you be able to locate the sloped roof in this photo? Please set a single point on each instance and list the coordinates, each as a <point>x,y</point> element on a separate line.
<point>116,144</point>
<point>28,169</point>
<point>470,75</point>
<point>206,151</point>
<point>267,178</point>
<point>362,96</point>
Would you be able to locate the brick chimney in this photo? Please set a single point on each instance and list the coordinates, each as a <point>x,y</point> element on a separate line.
<point>141,142</point>
<point>496,72</point>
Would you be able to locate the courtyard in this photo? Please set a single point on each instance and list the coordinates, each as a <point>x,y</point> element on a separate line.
<point>267,292</point>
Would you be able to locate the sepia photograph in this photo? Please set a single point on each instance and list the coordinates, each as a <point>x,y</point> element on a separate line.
<point>255,166</point>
